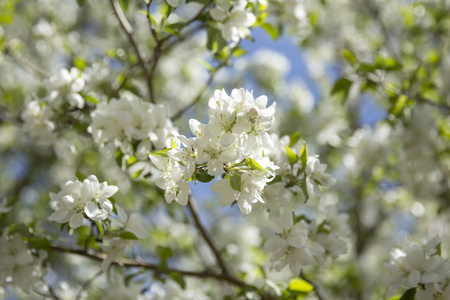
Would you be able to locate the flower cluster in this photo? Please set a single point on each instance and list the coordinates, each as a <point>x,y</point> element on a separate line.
<point>300,241</point>
<point>236,21</point>
<point>134,126</point>
<point>18,266</point>
<point>78,200</point>
<point>420,265</point>
<point>233,141</point>
<point>40,113</point>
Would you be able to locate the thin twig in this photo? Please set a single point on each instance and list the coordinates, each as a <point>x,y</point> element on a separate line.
<point>87,283</point>
<point>200,93</point>
<point>154,267</point>
<point>26,65</point>
<point>129,31</point>
<point>50,290</point>
<point>423,100</point>
<point>195,215</point>
<point>316,288</point>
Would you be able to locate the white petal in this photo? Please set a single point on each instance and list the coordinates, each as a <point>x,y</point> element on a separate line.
<point>91,209</point>
<point>76,220</point>
<point>215,167</point>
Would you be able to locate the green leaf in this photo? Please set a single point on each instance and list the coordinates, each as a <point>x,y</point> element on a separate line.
<point>203,176</point>
<point>124,4</point>
<point>439,250</point>
<point>119,157</point>
<point>91,99</point>
<point>292,157</point>
<point>305,190</point>
<point>342,86</point>
<point>136,174</point>
<point>396,297</point>
<point>178,278</point>
<point>300,285</point>
<point>367,68</point>
<point>409,294</point>
<point>293,138</point>
<point>401,101</point>
<point>239,52</point>
<point>235,181</point>
<point>164,252</point>
<point>81,2</point>
<point>100,228</point>
<point>271,30</point>
<point>349,56</point>
<point>19,228</point>
<point>212,35</point>
<point>304,155</point>
<point>38,242</point>
<point>128,236</point>
<point>388,63</point>
<point>162,153</point>
<point>79,63</point>
<point>254,165</point>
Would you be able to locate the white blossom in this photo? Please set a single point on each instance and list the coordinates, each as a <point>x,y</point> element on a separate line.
<point>291,246</point>
<point>418,264</point>
<point>78,200</point>
<point>236,22</point>
<point>170,180</point>
<point>18,267</point>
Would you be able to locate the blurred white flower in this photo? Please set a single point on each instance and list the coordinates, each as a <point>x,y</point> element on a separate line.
<point>78,200</point>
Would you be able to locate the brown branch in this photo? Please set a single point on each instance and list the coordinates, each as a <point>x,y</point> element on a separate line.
<point>195,215</point>
<point>423,100</point>
<point>316,288</point>
<point>129,31</point>
<point>200,93</point>
<point>26,65</point>
<point>89,253</point>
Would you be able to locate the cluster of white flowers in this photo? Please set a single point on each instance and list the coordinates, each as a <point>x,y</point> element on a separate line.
<point>420,265</point>
<point>235,17</point>
<point>233,141</point>
<point>302,241</point>
<point>67,84</point>
<point>269,67</point>
<point>78,200</point>
<point>129,122</point>
<point>305,242</point>
<point>18,267</point>
<point>40,113</point>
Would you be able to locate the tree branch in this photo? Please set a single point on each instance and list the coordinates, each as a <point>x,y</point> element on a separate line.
<point>89,253</point>
<point>200,93</point>
<point>26,65</point>
<point>316,288</point>
<point>129,31</point>
<point>194,211</point>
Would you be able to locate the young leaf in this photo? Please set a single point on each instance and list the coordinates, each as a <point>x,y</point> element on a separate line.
<point>203,176</point>
<point>178,278</point>
<point>409,294</point>
<point>254,165</point>
<point>100,229</point>
<point>128,236</point>
<point>292,157</point>
<point>162,153</point>
<point>300,285</point>
<point>342,85</point>
<point>349,56</point>
<point>293,138</point>
<point>235,181</point>
<point>164,252</point>
<point>304,155</point>
<point>271,30</point>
